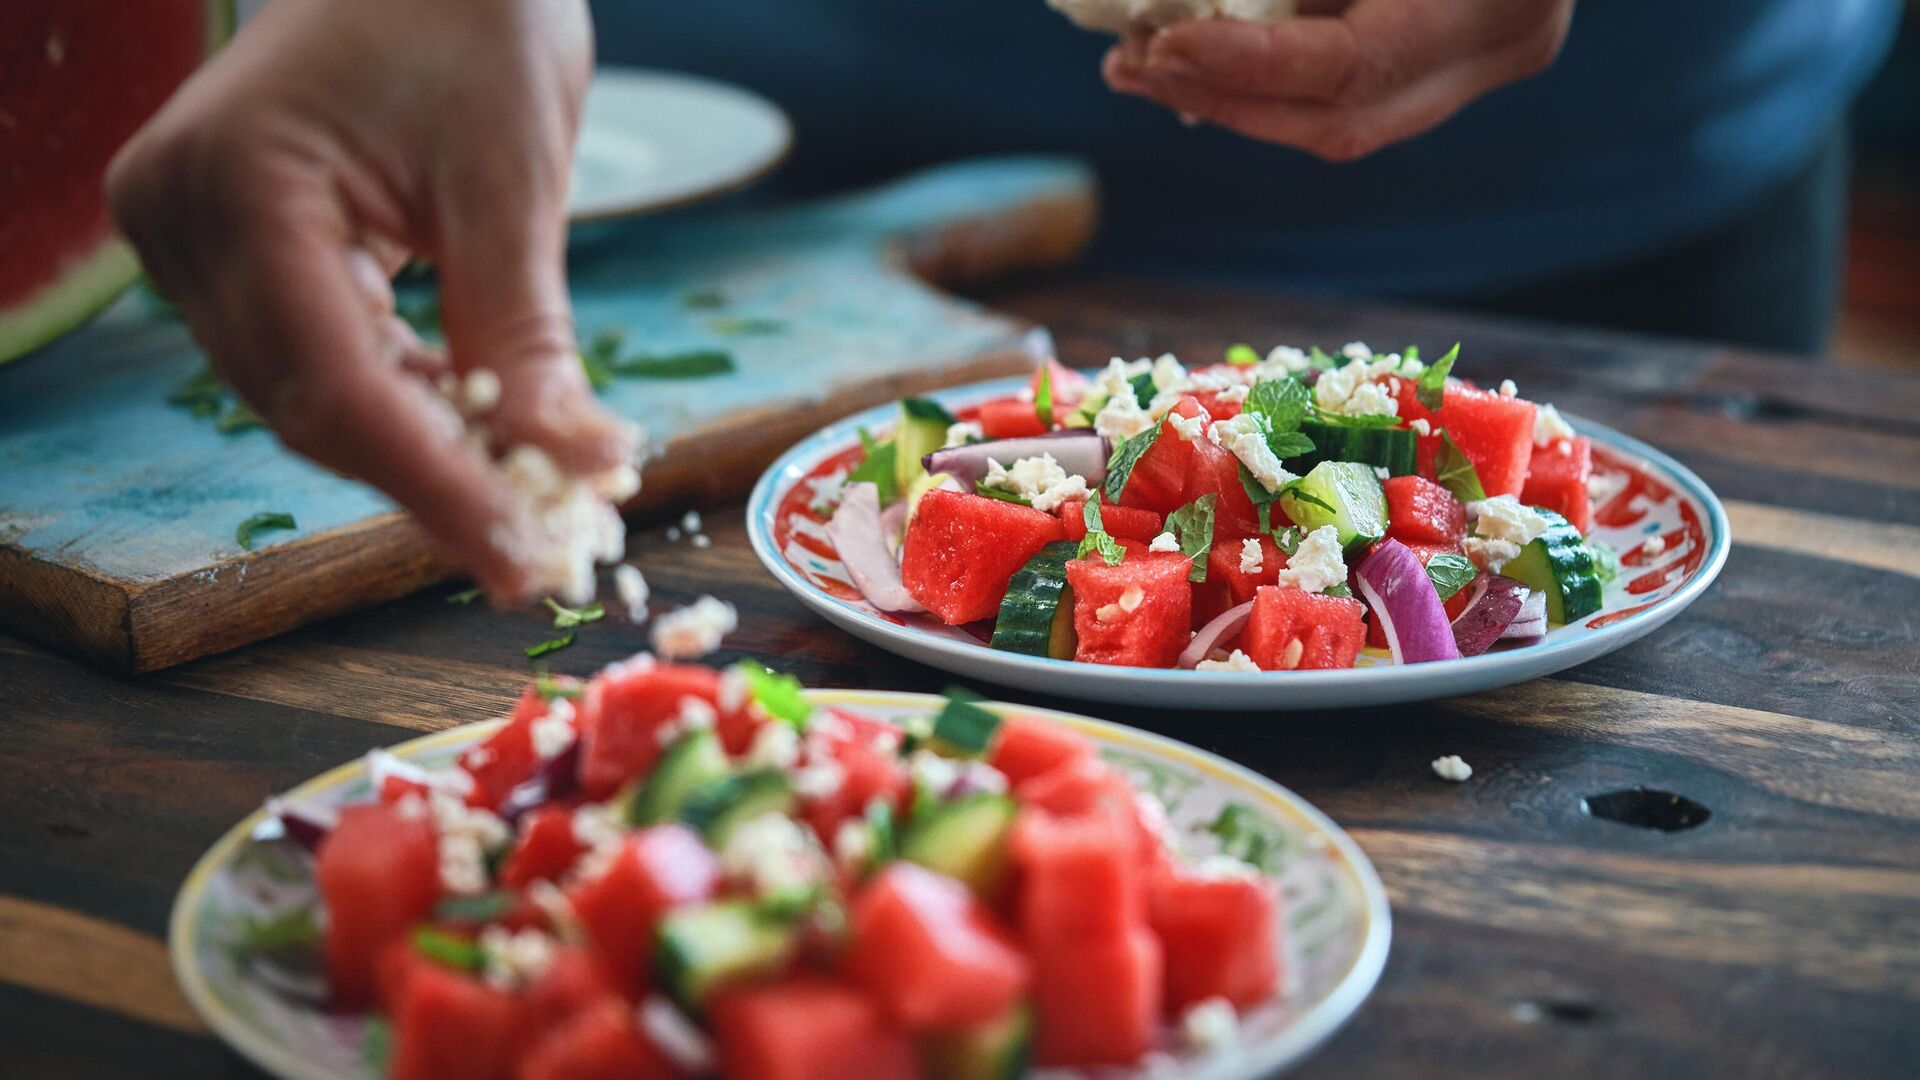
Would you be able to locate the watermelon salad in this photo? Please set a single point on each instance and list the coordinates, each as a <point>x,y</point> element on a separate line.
<point>1276,513</point>
<point>673,871</point>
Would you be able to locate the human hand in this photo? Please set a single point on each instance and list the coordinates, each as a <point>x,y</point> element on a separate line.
<point>275,194</point>
<point>1342,80</point>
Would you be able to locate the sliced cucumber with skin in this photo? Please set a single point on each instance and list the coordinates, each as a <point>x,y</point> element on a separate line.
<point>1390,448</point>
<point>705,946</point>
<point>1343,494</point>
<point>918,490</point>
<point>996,1050</point>
<point>1036,618</point>
<point>716,809</point>
<point>921,430</point>
<point>965,728</point>
<point>1559,563</point>
<point>692,762</point>
<point>965,839</point>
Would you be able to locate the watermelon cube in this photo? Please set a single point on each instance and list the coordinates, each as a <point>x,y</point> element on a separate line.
<point>547,848</point>
<point>652,871</point>
<point>1027,746</point>
<point>1009,418</point>
<point>1079,876</point>
<point>1137,613</point>
<point>506,757</point>
<point>868,772</point>
<point>1420,511</point>
<point>621,714</point>
<point>378,875</point>
<point>807,1028</point>
<point>930,954</point>
<point>598,1043</point>
<point>1557,480</point>
<point>1087,786</point>
<point>573,983</point>
<point>1098,999</point>
<point>1495,432</point>
<point>1159,479</point>
<point>1291,630</point>
<point>451,1026</point>
<point>1220,937</point>
<point>961,550</point>
<point>1122,522</point>
<point>1223,566</point>
<point>1217,472</point>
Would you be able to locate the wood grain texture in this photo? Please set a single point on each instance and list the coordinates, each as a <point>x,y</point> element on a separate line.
<point>1530,937</point>
<point>116,534</point>
<point>93,962</point>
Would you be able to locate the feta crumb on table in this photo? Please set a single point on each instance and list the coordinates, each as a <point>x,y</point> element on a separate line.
<point>1452,768</point>
<point>693,631</point>
<point>631,586</point>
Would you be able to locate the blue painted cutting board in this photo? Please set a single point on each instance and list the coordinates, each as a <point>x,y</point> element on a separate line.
<point>118,511</point>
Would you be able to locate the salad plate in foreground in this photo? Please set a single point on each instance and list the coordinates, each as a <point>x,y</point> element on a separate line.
<point>670,871</point>
<point>1302,531</point>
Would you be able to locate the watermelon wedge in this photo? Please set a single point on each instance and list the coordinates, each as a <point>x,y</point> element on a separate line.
<point>81,76</point>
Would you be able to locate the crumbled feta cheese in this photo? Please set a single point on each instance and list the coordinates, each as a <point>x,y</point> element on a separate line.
<point>553,731</point>
<point>691,521</point>
<point>1169,373</point>
<point>1039,480</point>
<point>1383,472</point>
<point>673,534</point>
<point>735,691</point>
<point>1121,418</point>
<point>480,391</point>
<point>1421,427</point>
<point>694,714</point>
<point>1118,376</point>
<point>1164,542</point>
<point>1243,437</point>
<point>1187,427</point>
<point>1284,360</point>
<point>1489,555</point>
<point>693,631</point>
<point>1452,768</point>
<point>1235,661</point>
<point>962,433</point>
<point>512,960</point>
<point>852,845</point>
<point>1508,389</point>
<point>772,853</point>
<point>1356,350</point>
<point>821,777</point>
<point>1131,599</point>
<point>1549,426</point>
<point>1603,486</point>
<point>826,489</point>
<point>702,540</point>
<point>1504,518</point>
<point>1654,546</point>
<point>1252,556</point>
<point>464,835</point>
<point>1317,565</point>
<point>1353,390</point>
<point>675,1035</point>
<point>933,772</point>
<point>554,904</point>
<point>1210,1026</point>
<point>631,586</point>
<point>1219,866</point>
<point>597,827</point>
<point>775,746</point>
<point>575,518</point>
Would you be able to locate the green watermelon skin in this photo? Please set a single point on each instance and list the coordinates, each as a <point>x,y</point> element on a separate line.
<point>81,76</point>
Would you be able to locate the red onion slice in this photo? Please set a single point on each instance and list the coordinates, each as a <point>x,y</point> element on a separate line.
<point>1497,600</point>
<point>1531,623</point>
<point>304,823</point>
<point>1395,585</point>
<point>1080,452</point>
<point>860,539</point>
<point>1220,632</point>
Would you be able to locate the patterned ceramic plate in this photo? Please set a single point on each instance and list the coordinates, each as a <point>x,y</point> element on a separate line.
<point>1649,494</point>
<point>1336,925</point>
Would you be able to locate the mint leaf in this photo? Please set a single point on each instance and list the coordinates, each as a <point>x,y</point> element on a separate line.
<point>1143,389</point>
<point>1261,498</point>
<point>1432,387</point>
<point>740,326</point>
<point>1289,444</point>
<point>1242,356</point>
<point>1338,588</point>
<point>1192,526</point>
<point>566,618</point>
<point>1367,420</point>
<point>549,688</point>
<point>980,488</point>
<point>1097,539</point>
<point>534,652</point>
<point>1125,457</point>
<point>1451,573</point>
<point>876,468</point>
<point>1320,361</point>
<point>1247,838</point>
<point>779,695</point>
<point>1282,403</point>
<point>464,596</point>
<point>1299,494</point>
<point>919,408</point>
<point>692,364</point>
<point>447,950</point>
<point>266,521</point>
<point>1043,397</point>
<point>1456,471</point>
<point>1288,539</point>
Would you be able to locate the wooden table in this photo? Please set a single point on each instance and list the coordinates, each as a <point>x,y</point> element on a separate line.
<point>1780,938</point>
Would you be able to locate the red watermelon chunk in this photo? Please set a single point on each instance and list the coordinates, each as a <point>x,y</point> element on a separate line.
<point>1557,480</point>
<point>1159,479</point>
<point>1223,566</point>
<point>602,1042</point>
<point>807,1028</point>
<point>451,1026</point>
<point>1291,630</point>
<point>378,875</point>
<point>506,757</point>
<point>1420,511</point>
<point>961,550</point>
<point>870,770</point>
<point>1028,746</point>
<point>621,715</point>
<point>652,871</point>
<point>930,954</point>
<point>1079,876</point>
<point>1218,930</point>
<point>1122,522</point>
<point>1217,472</point>
<point>1089,787</point>
<point>546,849</point>
<point>573,983</point>
<point>1009,418</point>
<point>1137,613</point>
<point>1098,999</point>
<point>1495,432</point>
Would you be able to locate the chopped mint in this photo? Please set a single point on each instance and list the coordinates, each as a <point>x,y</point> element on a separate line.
<point>1606,561</point>
<point>692,364</point>
<point>1320,361</point>
<point>919,408</point>
<point>779,695</point>
<point>445,949</point>
<point>1432,387</point>
<point>464,596</point>
<point>1125,457</point>
<point>1451,573</point>
<point>265,521</point>
<point>289,932</point>
<point>1338,588</point>
<point>1456,471</point>
<point>980,488</point>
<point>743,326</point>
<point>1261,498</point>
<point>1282,403</point>
<point>1144,390</point>
<point>1288,539</point>
<point>1192,527</point>
<point>550,688</point>
<point>566,618</point>
<point>1097,538</point>
<point>876,467</point>
<point>1245,837</point>
<point>238,417</point>
<point>1242,356</point>
<point>484,908</point>
<point>536,651</point>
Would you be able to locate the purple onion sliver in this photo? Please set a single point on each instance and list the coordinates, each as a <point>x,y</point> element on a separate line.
<point>1080,452</point>
<point>1222,630</point>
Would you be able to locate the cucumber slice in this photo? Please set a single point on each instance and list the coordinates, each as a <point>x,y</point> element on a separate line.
<point>723,804</point>
<point>704,946</point>
<point>921,430</point>
<point>965,839</point>
<point>964,727</point>
<point>997,1050</point>
<point>1559,563</point>
<point>693,761</point>
<point>1392,448</point>
<point>1036,618</point>
<point>1343,494</point>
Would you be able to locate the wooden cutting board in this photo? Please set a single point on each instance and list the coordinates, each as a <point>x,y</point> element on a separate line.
<point>118,511</point>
